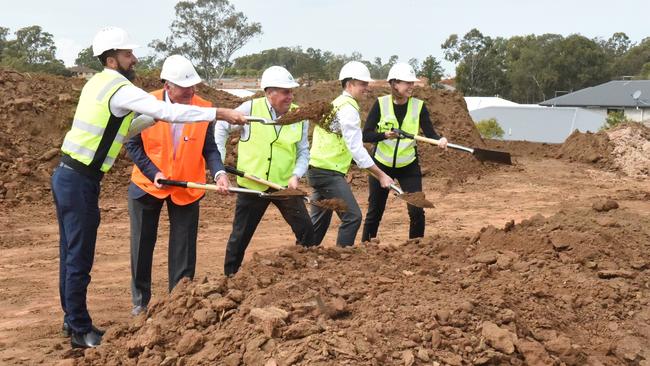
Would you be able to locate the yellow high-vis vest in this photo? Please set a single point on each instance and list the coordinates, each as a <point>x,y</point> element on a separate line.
<point>328,150</point>
<point>400,152</point>
<point>268,154</point>
<point>96,136</point>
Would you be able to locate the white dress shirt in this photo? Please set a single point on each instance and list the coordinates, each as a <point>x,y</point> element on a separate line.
<point>131,98</point>
<point>350,123</point>
<point>223,129</point>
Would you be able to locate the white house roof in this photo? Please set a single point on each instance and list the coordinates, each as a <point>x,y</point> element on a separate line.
<point>482,102</point>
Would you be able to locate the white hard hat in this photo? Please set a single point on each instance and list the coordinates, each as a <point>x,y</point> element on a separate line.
<point>277,77</point>
<point>111,38</point>
<point>179,71</point>
<point>402,71</point>
<point>355,70</point>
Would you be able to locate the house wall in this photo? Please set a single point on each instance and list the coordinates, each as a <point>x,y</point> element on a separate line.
<point>638,115</point>
<point>541,124</point>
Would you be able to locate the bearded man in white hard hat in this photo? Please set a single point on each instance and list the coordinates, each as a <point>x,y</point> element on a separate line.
<point>101,122</point>
<point>170,151</point>
<point>278,154</point>
<point>332,152</point>
<point>397,155</point>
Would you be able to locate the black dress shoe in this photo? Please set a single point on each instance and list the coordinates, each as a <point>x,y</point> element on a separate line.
<point>66,330</point>
<point>85,340</point>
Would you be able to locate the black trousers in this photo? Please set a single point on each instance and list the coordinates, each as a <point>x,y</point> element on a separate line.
<point>249,210</point>
<point>144,213</point>
<point>329,184</point>
<point>410,180</point>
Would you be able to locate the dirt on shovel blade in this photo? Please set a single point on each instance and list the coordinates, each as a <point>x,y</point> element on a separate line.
<point>313,111</point>
<point>289,192</point>
<point>417,199</point>
<point>334,204</point>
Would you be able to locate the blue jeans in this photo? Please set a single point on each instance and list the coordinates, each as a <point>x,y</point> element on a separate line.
<point>76,197</point>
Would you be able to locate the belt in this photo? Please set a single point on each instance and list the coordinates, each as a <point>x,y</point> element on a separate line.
<point>64,165</point>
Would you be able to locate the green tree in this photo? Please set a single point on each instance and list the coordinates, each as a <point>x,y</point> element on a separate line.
<point>480,60</point>
<point>208,32</point>
<point>490,128</point>
<point>633,61</point>
<point>431,69</point>
<point>614,119</point>
<point>4,32</point>
<point>32,50</point>
<point>85,58</point>
<point>415,64</point>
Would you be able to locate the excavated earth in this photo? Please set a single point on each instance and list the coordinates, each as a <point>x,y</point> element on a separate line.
<point>544,262</point>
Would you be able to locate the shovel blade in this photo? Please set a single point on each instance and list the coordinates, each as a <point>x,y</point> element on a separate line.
<point>416,199</point>
<point>492,155</point>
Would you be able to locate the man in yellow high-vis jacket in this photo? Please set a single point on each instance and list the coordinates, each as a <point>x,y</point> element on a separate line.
<point>101,122</point>
<point>333,151</point>
<point>278,154</point>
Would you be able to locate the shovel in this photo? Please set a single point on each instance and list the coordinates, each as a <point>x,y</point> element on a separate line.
<point>268,121</point>
<point>416,199</point>
<point>213,187</point>
<point>480,154</point>
<point>335,204</point>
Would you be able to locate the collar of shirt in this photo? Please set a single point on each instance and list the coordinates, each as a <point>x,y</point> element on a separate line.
<point>347,94</point>
<point>113,71</point>
<point>271,109</point>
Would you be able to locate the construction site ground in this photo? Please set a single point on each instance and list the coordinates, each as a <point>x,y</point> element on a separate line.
<point>544,262</point>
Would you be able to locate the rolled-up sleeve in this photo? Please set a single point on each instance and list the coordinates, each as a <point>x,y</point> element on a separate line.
<point>302,160</point>
<point>353,136</point>
<point>223,129</point>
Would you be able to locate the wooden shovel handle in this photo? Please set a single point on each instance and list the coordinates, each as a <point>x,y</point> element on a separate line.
<point>180,183</point>
<point>240,173</point>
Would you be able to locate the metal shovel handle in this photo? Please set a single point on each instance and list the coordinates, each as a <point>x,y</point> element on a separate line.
<point>266,121</point>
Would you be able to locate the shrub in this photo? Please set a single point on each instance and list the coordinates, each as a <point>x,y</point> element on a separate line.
<point>489,128</point>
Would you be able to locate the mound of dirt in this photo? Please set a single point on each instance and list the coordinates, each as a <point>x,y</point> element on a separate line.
<point>37,110</point>
<point>568,289</point>
<point>625,148</point>
<point>631,149</point>
<point>537,150</point>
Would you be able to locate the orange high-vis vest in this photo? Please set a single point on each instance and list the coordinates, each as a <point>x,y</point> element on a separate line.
<point>187,165</point>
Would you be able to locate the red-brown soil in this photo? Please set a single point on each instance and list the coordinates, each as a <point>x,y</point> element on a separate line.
<point>541,263</point>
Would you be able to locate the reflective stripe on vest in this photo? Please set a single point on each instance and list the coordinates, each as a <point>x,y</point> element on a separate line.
<point>329,150</point>
<point>267,153</point>
<point>398,152</point>
<point>188,164</point>
<point>96,136</point>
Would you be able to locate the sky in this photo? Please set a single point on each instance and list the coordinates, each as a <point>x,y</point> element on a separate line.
<point>375,28</point>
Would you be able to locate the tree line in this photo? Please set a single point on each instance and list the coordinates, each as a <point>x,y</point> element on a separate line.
<point>525,69</point>
<point>531,69</point>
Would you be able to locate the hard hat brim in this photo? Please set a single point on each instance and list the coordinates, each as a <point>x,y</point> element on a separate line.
<point>188,82</point>
<point>124,47</point>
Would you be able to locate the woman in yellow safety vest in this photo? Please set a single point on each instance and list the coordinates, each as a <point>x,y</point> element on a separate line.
<point>395,154</point>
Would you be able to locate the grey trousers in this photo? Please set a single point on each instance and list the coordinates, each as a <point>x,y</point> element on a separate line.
<point>144,214</point>
<point>329,184</point>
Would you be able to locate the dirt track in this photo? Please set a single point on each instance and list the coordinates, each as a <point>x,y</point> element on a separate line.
<point>29,331</point>
<point>521,265</point>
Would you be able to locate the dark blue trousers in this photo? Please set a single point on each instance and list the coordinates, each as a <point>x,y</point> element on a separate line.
<point>76,197</point>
